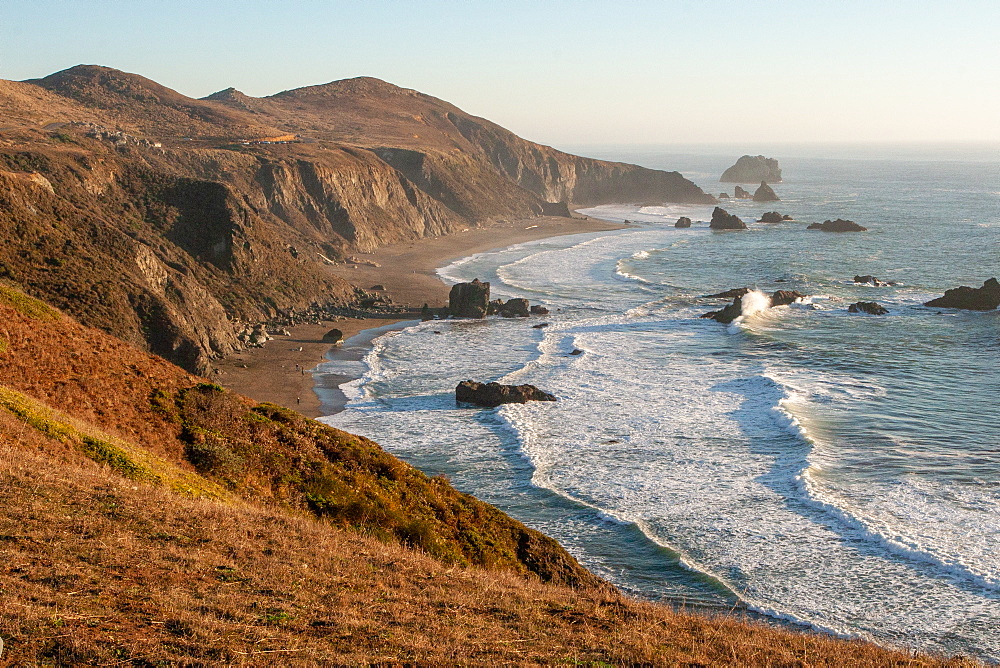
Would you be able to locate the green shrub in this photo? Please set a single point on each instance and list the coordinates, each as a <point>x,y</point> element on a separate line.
<point>26,305</point>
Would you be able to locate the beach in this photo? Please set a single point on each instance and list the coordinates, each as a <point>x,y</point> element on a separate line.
<point>281,371</point>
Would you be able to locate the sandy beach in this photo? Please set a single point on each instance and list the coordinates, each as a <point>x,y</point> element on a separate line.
<point>281,371</point>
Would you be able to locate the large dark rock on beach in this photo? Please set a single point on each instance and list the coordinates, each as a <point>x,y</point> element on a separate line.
<point>871,308</point>
<point>765,193</point>
<point>986,298</point>
<point>495,394</point>
<point>839,225</point>
<point>469,300</point>
<point>723,220</point>
<point>683,221</point>
<point>753,169</point>
<point>333,336</point>
<point>559,209</point>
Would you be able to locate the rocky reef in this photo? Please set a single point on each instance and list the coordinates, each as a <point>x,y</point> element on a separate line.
<point>753,169</point>
<point>870,308</point>
<point>986,298</point>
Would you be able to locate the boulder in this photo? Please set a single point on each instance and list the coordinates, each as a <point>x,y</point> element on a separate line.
<point>515,308</point>
<point>868,279</point>
<point>871,308</point>
<point>765,194</point>
<point>729,294</point>
<point>740,193</point>
<point>985,298</point>
<point>727,314</point>
<point>538,309</point>
<point>683,221</point>
<point>495,394</point>
<point>839,225</point>
<point>752,169</point>
<point>785,297</point>
<point>378,286</point>
<point>723,220</point>
<point>772,217</point>
<point>469,300</point>
<point>333,336</point>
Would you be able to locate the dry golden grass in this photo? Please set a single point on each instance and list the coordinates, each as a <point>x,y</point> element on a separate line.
<point>99,570</point>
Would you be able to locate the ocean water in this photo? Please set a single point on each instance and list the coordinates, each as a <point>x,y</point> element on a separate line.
<point>833,470</point>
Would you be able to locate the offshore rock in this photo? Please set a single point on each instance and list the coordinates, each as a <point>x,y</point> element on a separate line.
<point>871,308</point>
<point>683,221</point>
<point>729,294</point>
<point>538,309</point>
<point>772,217</point>
<point>723,195</point>
<point>723,220</point>
<point>741,193</point>
<point>727,314</point>
<point>469,300</point>
<point>985,298</point>
<point>515,308</point>
<point>785,297</point>
<point>495,394</point>
<point>765,194</point>
<point>751,169</point>
<point>839,225</point>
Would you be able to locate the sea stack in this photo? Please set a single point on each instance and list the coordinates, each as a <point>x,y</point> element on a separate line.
<point>723,220</point>
<point>753,169</point>
<point>765,193</point>
<point>469,300</point>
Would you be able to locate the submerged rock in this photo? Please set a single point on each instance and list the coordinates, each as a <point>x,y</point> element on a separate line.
<point>985,298</point>
<point>683,221</point>
<point>839,225</point>
<point>871,308</point>
<point>752,169</point>
<point>495,394</point>
<point>469,300</point>
<point>723,220</point>
<point>765,194</point>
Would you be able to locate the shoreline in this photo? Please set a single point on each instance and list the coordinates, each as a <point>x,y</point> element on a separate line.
<point>284,371</point>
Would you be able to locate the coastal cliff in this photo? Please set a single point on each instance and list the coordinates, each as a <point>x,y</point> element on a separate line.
<point>173,222</point>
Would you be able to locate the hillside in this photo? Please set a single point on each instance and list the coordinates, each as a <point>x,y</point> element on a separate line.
<point>163,220</point>
<point>153,518</point>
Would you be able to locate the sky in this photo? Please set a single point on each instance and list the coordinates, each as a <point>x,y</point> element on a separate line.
<point>568,73</point>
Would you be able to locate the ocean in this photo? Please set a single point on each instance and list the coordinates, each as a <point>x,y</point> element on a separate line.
<point>831,470</point>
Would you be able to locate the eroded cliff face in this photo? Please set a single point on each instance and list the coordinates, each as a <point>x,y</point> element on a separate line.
<point>173,222</point>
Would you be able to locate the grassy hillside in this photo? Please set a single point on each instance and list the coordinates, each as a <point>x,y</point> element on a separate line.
<point>153,519</point>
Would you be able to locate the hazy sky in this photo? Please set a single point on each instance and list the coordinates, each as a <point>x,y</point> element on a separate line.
<point>568,73</point>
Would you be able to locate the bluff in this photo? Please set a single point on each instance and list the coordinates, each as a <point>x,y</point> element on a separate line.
<point>173,222</point>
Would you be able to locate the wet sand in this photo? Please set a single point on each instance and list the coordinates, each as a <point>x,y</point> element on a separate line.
<point>281,371</point>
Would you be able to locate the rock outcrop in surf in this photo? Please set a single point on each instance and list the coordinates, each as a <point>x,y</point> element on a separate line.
<point>723,220</point>
<point>469,300</point>
<point>871,308</point>
<point>765,193</point>
<point>752,169</point>
<point>495,394</point>
<point>986,298</point>
<point>868,279</point>
<point>683,221</point>
<point>773,217</point>
<point>735,310</point>
<point>742,193</point>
